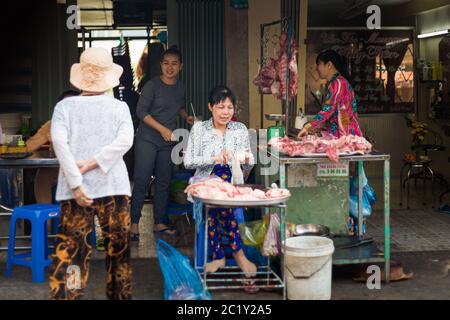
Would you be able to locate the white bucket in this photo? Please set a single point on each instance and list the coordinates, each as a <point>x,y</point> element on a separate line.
<point>308,266</point>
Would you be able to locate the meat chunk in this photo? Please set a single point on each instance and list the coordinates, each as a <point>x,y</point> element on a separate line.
<point>328,144</point>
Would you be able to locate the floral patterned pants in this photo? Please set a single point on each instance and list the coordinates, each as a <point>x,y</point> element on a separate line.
<point>223,219</point>
<point>69,269</point>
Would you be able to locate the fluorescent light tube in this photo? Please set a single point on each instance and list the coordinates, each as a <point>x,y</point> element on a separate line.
<point>432,34</point>
<point>397,42</point>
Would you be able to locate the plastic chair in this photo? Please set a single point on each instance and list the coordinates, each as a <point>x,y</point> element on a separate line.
<point>37,214</point>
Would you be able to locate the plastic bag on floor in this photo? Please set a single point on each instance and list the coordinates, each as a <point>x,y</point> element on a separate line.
<point>272,243</point>
<point>181,281</point>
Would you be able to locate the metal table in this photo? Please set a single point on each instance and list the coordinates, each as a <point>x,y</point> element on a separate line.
<point>265,276</point>
<point>361,256</point>
<point>39,159</point>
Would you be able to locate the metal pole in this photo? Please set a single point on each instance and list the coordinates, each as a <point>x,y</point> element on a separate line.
<point>195,244</point>
<point>286,124</point>
<point>205,249</point>
<point>83,37</point>
<point>360,192</point>
<point>261,57</point>
<point>283,244</point>
<point>387,231</point>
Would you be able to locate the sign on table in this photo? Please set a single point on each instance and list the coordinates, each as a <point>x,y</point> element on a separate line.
<point>331,170</point>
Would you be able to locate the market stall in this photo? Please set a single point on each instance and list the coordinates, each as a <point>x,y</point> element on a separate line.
<point>319,195</point>
<point>213,193</point>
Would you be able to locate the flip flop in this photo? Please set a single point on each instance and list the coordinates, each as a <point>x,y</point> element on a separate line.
<point>167,231</point>
<point>249,284</point>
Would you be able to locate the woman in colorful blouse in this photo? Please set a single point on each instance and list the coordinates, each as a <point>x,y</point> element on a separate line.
<point>339,111</point>
<point>210,149</point>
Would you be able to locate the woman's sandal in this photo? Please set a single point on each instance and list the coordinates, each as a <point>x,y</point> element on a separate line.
<point>249,285</point>
<point>169,231</point>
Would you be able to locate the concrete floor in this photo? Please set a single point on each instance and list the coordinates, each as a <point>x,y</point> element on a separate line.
<point>419,241</point>
<point>430,281</point>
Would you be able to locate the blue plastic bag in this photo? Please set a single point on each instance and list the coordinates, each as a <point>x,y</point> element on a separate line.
<point>181,281</point>
<point>368,197</point>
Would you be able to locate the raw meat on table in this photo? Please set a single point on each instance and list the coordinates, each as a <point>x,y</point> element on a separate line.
<point>328,144</point>
<point>217,189</point>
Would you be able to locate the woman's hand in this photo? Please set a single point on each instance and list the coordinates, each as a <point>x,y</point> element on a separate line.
<point>223,157</point>
<point>304,131</point>
<point>81,198</point>
<point>166,134</point>
<point>87,165</point>
<point>248,157</point>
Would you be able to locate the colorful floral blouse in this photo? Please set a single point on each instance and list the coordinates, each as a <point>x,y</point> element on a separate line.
<point>339,111</point>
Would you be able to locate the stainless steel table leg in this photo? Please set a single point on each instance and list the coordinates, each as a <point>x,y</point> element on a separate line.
<point>360,195</point>
<point>205,250</point>
<point>283,252</point>
<point>387,231</point>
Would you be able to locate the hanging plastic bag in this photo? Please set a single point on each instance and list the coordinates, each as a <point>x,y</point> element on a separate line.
<point>181,281</point>
<point>353,206</point>
<point>254,232</point>
<point>368,196</point>
<point>237,176</point>
<point>272,243</point>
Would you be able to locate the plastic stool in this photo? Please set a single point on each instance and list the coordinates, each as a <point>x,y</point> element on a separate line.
<point>37,214</point>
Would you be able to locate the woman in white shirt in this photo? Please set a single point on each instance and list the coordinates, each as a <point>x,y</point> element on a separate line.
<point>211,147</point>
<point>90,135</point>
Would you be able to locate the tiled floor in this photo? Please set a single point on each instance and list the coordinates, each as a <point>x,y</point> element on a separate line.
<point>413,230</point>
<point>146,248</point>
<point>419,239</point>
<point>421,228</point>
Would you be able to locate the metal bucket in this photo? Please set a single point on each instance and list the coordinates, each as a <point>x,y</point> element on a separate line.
<point>318,230</point>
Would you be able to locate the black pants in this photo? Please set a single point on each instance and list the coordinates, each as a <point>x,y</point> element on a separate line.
<point>151,159</point>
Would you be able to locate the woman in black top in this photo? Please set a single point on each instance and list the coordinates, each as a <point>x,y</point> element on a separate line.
<point>161,102</point>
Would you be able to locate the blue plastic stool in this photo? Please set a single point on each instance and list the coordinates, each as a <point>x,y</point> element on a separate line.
<point>37,214</point>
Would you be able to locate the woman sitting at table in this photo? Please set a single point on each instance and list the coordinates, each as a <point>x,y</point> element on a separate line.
<point>210,149</point>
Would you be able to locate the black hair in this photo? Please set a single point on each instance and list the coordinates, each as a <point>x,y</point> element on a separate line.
<point>220,94</point>
<point>68,93</point>
<point>339,62</point>
<point>174,51</point>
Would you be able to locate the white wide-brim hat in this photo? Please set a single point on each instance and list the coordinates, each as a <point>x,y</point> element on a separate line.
<point>96,71</point>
